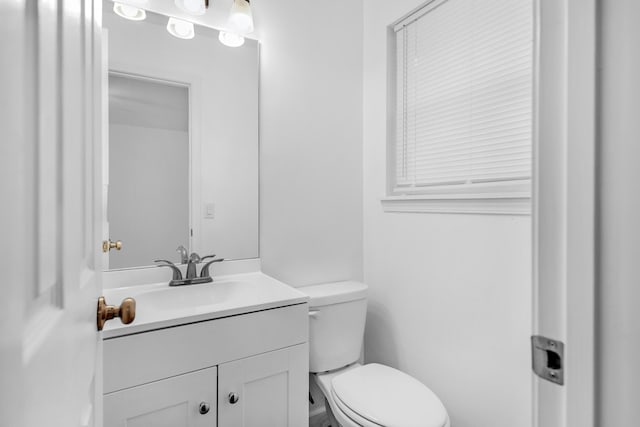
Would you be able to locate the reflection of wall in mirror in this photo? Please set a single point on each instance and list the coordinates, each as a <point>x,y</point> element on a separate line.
<point>226,108</point>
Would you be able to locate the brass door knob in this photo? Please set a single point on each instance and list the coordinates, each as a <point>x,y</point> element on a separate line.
<point>126,312</point>
<point>107,245</point>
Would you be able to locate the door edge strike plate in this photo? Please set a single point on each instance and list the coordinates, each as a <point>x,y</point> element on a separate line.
<point>548,358</point>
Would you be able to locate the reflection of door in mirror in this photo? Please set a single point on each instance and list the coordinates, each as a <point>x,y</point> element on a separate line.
<point>148,196</point>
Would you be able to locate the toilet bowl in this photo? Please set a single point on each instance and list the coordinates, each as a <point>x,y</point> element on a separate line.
<point>370,395</point>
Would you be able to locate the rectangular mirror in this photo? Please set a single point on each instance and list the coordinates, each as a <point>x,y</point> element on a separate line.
<point>183,143</point>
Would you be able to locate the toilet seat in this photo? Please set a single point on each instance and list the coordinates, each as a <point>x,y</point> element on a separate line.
<point>346,411</point>
<point>323,380</point>
<point>375,395</point>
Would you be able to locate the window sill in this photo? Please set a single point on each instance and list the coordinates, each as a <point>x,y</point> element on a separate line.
<point>486,204</point>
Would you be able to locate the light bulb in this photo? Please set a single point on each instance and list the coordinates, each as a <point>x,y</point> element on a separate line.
<point>240,17</point>
<point>180,29</point>
<point>131,13</point>
<point>231,39</point>
<point>193,7</point>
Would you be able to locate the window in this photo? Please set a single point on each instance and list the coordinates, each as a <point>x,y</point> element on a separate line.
<point>463,104</point>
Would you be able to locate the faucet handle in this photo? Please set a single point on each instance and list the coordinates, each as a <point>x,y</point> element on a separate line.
<point>205,268</point>
<point>177,274</point>
<point>207,257</point>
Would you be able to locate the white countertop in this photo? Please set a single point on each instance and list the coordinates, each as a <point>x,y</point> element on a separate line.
<point>160,306</point>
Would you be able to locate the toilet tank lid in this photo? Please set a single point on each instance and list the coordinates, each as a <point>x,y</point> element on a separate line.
<point>334,292</point>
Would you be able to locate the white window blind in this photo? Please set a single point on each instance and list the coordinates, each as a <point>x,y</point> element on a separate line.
<point>464,95</point>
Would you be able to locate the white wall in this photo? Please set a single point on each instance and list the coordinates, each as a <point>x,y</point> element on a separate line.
<point>310,139</point>
<point>618,295</point>
<point>224,100</point>
<point>450,295</point>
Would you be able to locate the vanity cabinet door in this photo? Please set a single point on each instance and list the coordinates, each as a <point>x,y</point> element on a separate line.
<point>268,390</point>
<point>173,402</point>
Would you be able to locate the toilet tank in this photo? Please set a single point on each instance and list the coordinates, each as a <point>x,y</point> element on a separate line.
<point>337,314</point>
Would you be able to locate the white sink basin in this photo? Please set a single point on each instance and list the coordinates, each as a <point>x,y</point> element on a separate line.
<point>190,296</point>
<point>159,305</point>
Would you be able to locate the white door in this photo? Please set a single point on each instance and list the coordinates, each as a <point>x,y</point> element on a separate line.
<point>564,207</point>
<point>268,390</point>
<point>50,216</point>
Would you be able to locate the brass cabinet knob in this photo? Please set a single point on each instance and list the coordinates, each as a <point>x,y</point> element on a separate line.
<point>233,398</point>
<point>126,312</point>
<point>107,245</point>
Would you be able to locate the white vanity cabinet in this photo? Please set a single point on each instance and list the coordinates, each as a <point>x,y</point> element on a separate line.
<point>247,370</point>
<point>265,390</point>
<point>187,400</point>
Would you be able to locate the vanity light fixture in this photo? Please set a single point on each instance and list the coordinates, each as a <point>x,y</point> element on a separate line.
<point>129,12</point>
<point>193,7</point>
<point>230,39</point>
<point>240,17</point>
<point>180,29</point>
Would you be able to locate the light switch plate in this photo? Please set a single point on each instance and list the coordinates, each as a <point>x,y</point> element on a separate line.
<point>209,210</point>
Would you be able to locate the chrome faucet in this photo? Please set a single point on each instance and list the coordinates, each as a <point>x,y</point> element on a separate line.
<point>191,266</point>
<point>184,254</point>
<point>205,268</point>
<point>177,274</point>
<point>191,273</point>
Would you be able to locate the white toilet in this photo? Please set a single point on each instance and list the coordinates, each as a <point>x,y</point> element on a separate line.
<point>369,395</point>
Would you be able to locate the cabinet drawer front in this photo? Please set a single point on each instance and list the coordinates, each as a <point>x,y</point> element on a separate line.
<point>150,356</point>
<point>172,402</point>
